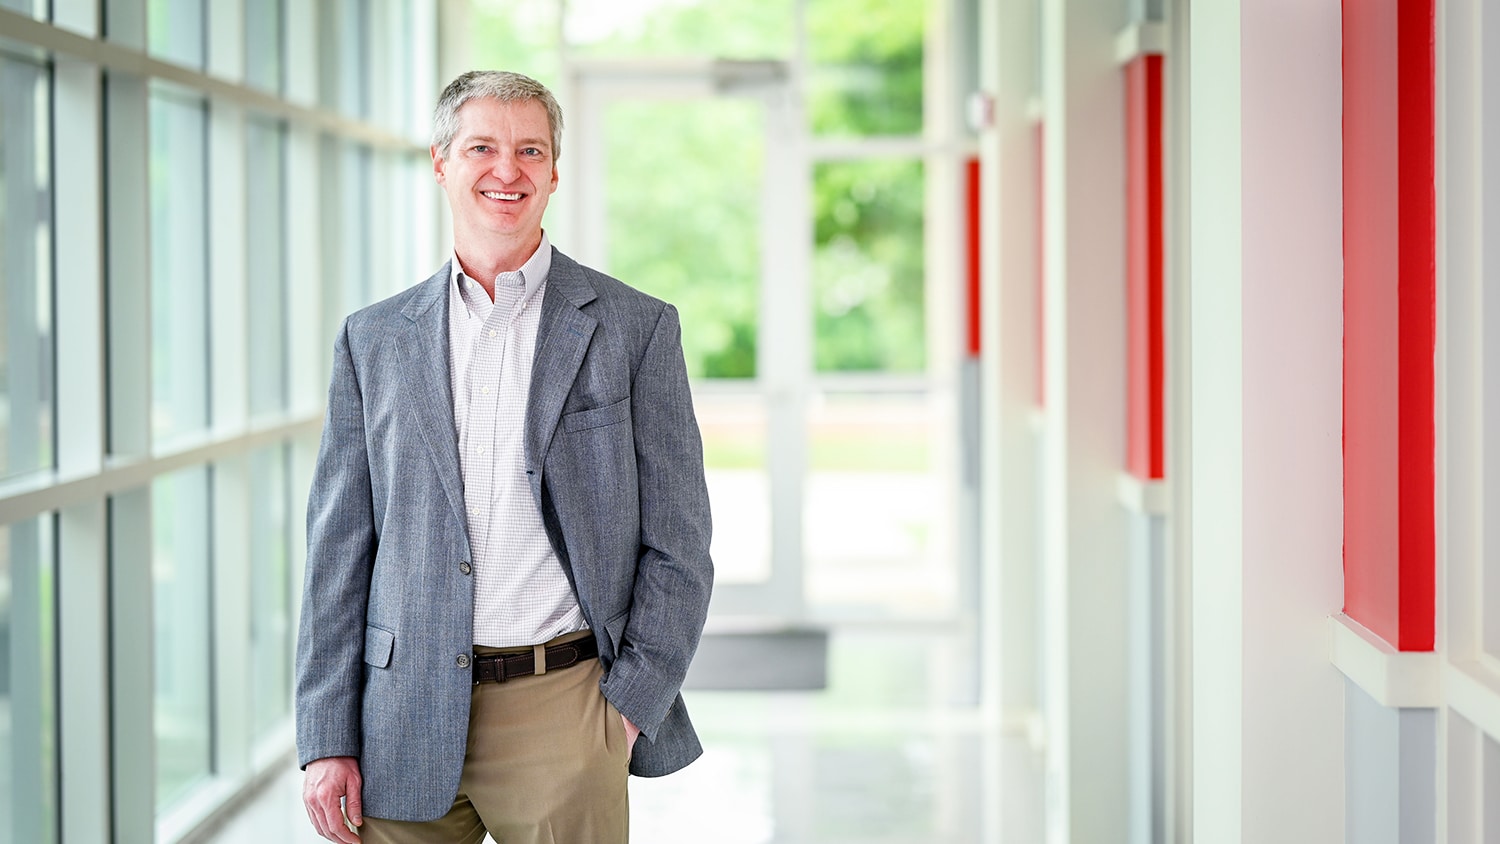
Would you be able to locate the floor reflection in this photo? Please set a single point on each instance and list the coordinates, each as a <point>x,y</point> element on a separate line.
<point>895,751</point>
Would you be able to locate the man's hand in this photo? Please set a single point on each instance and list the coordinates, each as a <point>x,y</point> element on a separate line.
<point>632,732</point>
<point>327,781</point>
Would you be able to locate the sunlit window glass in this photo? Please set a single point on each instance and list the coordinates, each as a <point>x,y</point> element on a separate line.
<point>35,8</point>
<point>354,58</point>
<point>865,76</point>
<point>270,591</point>
<point>176,31</point>
<point>263,44</point>
<point>868,266</point>
<point>877,505</point>
<point>355,166</point>
<point>26,353</point>
<point>179,261</point>
<point>28,683</point>
<point>266,265</point>
<point>734,427</point>
<point>703,253</point>
<point>345,174</point>
<point>760,29</point>
<point>180,558</point>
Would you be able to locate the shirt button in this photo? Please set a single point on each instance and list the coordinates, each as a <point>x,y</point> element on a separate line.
<point>482,449</point>
<point>465,567</point>
<point>492,332</point>
<point>462,661</point>
<point>485,390</point>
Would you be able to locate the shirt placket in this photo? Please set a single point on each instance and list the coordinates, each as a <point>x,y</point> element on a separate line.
<point>486,369</point>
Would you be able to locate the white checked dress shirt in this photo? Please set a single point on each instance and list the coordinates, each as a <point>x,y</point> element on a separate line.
<point>521,595</point>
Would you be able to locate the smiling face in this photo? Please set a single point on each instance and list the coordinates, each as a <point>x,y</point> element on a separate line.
<point>499,173</point>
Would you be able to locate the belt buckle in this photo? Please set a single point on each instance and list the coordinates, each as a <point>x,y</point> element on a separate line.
<point>499,674</point>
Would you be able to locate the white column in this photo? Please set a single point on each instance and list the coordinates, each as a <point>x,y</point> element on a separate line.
<point>1292,295</point>
<point>1008,369</point>
<point>1084,536</point>
<point>83,581</point>
<point>1266,404</point>
<point>1214,394</point>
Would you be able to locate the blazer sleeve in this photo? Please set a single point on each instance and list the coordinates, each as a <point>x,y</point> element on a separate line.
<point>341,545</point>
<point>674,574</point>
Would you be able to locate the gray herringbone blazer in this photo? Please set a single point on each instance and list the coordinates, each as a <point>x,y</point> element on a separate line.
<point>616,466</point>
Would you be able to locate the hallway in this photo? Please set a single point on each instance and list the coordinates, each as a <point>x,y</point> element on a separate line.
<point>879,757</point>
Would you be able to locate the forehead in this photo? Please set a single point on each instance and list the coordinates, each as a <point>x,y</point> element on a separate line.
<point>489,117</point>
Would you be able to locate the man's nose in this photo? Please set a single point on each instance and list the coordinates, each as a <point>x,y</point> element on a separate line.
<point>507,166</point>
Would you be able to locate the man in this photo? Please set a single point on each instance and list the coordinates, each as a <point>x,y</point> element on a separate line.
<point>508,527</point>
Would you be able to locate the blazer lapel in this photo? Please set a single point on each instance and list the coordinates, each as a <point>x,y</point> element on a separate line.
<point>423,346</point>
<point>562,337</point>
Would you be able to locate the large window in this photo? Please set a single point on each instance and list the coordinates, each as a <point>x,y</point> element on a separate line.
<point>176,31</point>
<point>263,45</point>
<point>865,76</point>
<point>28,683</point>
<point>26,353</point>
<point>35,8</point>
<point>266,269</point>
<point>270,591</point>
<point>219,186</point>
<point>761,29</point>
<point>702,257</point>
<point>180,556</point>
<point>868,273</point>
<point>179,266</point>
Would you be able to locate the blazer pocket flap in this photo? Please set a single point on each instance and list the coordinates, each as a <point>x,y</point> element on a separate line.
<point>597,417</point>
<point>378,645</point>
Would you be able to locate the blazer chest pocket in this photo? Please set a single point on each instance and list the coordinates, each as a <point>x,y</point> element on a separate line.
<point>378,646</point>
<point>598,417</point>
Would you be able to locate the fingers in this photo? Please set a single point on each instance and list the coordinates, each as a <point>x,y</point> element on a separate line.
<point>632,732</point>
<point>330,786</point>
<point>353,808</point>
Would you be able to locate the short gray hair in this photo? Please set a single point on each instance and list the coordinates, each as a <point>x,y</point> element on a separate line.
<point>501,85</point>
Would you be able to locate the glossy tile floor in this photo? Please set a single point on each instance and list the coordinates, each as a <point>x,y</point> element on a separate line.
<point>894,751</point>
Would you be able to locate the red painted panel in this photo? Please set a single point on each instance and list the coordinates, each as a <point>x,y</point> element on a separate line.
<point>973,233</point>
<point>1145,374</point>
<point>1418,304</point>
<point>1389,313</point>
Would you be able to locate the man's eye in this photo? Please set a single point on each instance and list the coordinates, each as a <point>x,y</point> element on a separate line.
<point>480,148</point>
<point>532,151</point>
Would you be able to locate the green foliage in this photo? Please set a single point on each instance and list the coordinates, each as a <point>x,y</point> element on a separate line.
<point>866,74</point>
<point>684,208</point>
<point>684,177</point>
<point>868,268</point>
<point>721,29</point>
<point>521,37</point>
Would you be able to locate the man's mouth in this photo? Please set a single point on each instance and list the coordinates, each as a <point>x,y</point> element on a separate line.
<point>498,196</point>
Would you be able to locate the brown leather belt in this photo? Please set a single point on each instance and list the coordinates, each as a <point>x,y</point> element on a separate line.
<point>502,667</point>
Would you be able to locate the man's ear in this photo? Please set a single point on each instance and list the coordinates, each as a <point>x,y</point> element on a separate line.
<point>438,164</point>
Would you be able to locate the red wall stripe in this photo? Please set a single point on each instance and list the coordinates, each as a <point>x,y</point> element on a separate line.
<point>972,192</point>
<point>1144,260</point>
<point>1389,319</point>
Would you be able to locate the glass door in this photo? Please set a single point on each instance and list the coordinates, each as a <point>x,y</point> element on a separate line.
<point>690,182</point>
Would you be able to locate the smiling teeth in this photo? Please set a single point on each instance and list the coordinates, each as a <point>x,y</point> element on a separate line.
<point>497,195</point>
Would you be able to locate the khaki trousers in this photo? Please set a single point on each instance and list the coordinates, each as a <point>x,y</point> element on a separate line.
<point>546,764</point>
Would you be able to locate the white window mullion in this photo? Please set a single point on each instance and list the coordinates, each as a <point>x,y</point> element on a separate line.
<point>83,579</point>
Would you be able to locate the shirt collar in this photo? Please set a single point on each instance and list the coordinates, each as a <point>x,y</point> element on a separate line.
<point>534,271</point>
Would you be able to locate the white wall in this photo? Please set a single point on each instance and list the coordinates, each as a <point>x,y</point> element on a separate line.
<point>1267,384</point>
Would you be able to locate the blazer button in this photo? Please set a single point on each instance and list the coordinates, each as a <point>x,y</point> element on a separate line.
<point>463,660</point>
<point>465,567</point>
